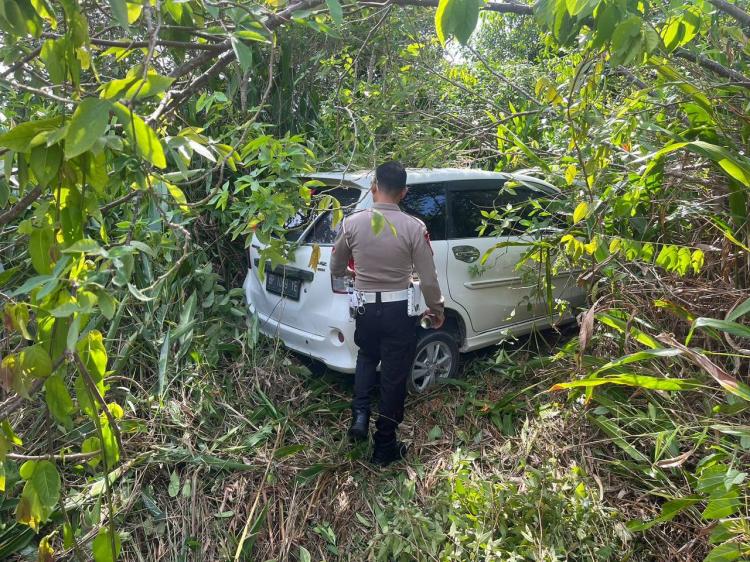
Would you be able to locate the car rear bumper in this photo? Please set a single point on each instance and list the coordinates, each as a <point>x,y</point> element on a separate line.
<point>328,349</point>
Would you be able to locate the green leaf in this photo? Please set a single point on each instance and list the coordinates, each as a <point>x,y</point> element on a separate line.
<point>582,8</point>
<point>304,555</point>
<point>106,547</point>
<point>377,222</point>
<point>672,33</point>
<point>179,196</point>
<point>85,246</point>
<point>153,85</point>
<point>93,354</point>
<point>636,380</point>
<point>120,11</point>
<point>733,328</point>
<point>722,503</point>
<point>45,11</point>
<point>626,41</point>
<point>735,165</point>
<point>570,171</point>
<point>88,123</point>
<point>617,435</point>
<point>288,451</point>
<point>53,55</point>
<point>19,137</point>
<point>45,161</point>
<point>147,144</point>
<point>337,13</point>
<point>71,338</point>
<point>91,445</point>
<point>26,470</point>
<point>243,53</point>
<point>456,18</point>
<point>668,512</point>
<point>691,23</point>
<point>46,483</point>
<point>110,447</point>
<point>727,552</point>
<point>174,485</point>
<point>85,400</point>
<point>739,311</point>
<point>580,212</point>
<point>645,355</point>
<point>58,399</point>
<point>107,303</point>
<point>249,35</point>
<point>163,362</point>
<point>34,362</point>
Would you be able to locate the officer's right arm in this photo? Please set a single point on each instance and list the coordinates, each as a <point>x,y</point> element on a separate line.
<point>425,266</point>
<point>342,253</point>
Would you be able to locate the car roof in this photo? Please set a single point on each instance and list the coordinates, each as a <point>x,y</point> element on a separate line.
<point>416,176</point>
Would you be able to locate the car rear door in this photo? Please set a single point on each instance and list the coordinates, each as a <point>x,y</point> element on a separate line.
<point>299,293</point>
<point>428,202</point>
<point>494,293</point>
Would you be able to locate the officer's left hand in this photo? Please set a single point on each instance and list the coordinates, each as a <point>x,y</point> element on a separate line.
<point>437,320</point>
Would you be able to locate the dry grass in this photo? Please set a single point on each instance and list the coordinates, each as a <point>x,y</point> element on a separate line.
<point>252,412</point>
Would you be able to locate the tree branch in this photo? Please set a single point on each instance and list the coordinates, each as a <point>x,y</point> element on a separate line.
<point>119,201</point>
<point>74,457</point>
<point>720,70</point>
<point>141,44</point>
<point>15,66</point>
<point>173,99</point>
<point>500,7</point>
<point>21,206</point>
<point>736,12</point>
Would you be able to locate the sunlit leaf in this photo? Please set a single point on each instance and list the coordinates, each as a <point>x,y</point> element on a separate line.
<point>147,144</point>
<point>580,212</point>
<point>106,546</point>
<point>88,123</point>
<point>456,18</point>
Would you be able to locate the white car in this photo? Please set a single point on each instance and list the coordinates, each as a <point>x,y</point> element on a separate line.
<point>309,309</point>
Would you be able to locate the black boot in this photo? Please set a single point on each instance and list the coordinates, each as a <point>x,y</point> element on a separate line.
<point>384,454</point>
<point>360,428</point>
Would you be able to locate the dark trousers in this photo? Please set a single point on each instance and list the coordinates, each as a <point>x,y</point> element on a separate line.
<point>385,334</point>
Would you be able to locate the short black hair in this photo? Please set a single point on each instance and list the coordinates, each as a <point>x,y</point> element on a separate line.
<point>391,177</point>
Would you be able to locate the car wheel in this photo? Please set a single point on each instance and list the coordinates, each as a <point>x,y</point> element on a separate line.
<point>436,358</point>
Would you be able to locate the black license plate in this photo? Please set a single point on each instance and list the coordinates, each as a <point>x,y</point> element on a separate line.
<point>284,286</point>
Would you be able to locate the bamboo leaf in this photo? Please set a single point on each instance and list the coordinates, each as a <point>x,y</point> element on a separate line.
<point>635,380</point>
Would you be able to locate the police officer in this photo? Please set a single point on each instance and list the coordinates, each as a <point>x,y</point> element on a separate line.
<point>383,266</point>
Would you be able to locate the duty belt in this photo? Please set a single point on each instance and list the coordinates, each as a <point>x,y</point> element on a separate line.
<point>385,296</point>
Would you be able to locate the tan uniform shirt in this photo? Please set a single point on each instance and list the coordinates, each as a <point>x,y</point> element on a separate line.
<point>384,261</point>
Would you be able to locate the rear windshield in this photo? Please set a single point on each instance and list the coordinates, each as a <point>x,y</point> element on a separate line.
<point>322,232</point>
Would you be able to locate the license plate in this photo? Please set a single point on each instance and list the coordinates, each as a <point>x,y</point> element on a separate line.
<point>284,286</point>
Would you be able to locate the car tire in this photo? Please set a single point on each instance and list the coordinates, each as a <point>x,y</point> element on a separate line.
<point>436,358</point>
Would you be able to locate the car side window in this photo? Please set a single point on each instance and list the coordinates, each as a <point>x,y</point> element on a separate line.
<point>427,202</point>
<point>508,210</point>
